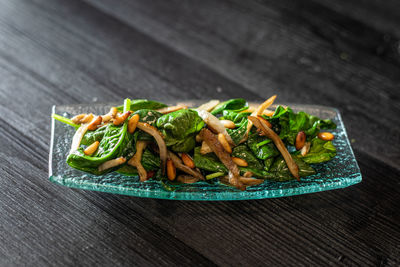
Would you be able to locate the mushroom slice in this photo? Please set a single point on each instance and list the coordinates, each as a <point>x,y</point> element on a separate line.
<point>111,163</point>
<point>181,166</point>
<point>210,105</point>
<point>76,140</point>
<point>167,110</point>
<point>258,112</point>
<point>187,179</point>
<point>215,124</point>
<point>293,168</point>
<point>205,149</point>
<point>136,160</point>
<point>159,139</point>
<point>225,157</point>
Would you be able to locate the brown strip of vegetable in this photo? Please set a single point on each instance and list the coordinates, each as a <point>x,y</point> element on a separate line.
<point>293,168</point>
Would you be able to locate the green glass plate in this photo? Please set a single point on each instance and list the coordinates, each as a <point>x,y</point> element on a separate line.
<point>340,172</point>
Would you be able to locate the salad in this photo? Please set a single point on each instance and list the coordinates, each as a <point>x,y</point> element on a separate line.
<point>226,142</point>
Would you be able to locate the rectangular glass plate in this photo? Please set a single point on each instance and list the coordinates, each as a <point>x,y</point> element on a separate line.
<point>340,172</point>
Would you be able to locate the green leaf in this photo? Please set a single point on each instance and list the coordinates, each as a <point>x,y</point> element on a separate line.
<point>320,151</point>
<point>91,136</point>
<point>256,172</point>
<point>237,134</point>
<point>264,151</point>
<point>279,170</point>
<point>241,151</point>
<point>268,163</point>
<point>148,116</point>
<point>237,105</point>
<point>289,123</point>
<point>149,161</point>
<point>180,128</point>
<point>115,143</point>
<point>208,162</point>
<point>240,120</point>
<point>138,104</point>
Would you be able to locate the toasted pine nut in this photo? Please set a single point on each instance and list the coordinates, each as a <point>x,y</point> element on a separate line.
<point>87,118</point>
<point>171,170</point>
<point>240,162</point>
<point>187,160</point>
<point>198,138</point>
<point>228,124</point>
<point>132,123</point>
<point>110,115</point>
<point>92,148</point>
<point>265,121</point>
<point>326,136</point>
<point>93,124</point>
<point>300,140</point>
<point>224,143</point>
<point>268,113</point>
<point>78,118</point>
<point>113,111</point>
<point>120,118</point>
<point>248,174</point>
<point>305,149</point>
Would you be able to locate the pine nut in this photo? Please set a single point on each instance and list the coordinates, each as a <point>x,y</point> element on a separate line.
<point>198,138</point>
<point>187,160</point>
<point>113,111</point>
<point>240,162</point>
<point>228,124</point>
<point>132,123</point>
<point>306,148</point>
<point>93,124</point>
<point>78,118</point>
<point>224,143</point>
<point>326,136</point>
<point>92,148</point>
<point>248,174</point>
<point>300,140</point>
<point>171,170</point>
<point>120,118</point>
<point>87,118</point>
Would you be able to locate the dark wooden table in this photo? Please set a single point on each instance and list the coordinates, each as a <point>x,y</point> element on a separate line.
<point>337,53</point>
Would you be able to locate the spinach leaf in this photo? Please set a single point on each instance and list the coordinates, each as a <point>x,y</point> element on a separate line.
<point>113,144</point>
<point>148,116</point>
<point>266,150</point>
<point>180,128</point>
<point>237,117</point>
<point>256,172</point>
<point>143,104</point>
<point>243,152</point>
<point>92,136</point>
<point>237,105</point>
<point>279,171</point>
<point>240,120</point>
<point>268,163</point>
<point>320,151</point>
<point>289,123</point>
<point>149,161</point>
<point>208,162</point>
<point>237,134</point>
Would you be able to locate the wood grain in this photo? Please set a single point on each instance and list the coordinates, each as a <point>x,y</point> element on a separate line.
<point>65,52</point>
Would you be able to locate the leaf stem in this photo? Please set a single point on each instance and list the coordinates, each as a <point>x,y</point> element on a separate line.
<point>64,120</point>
